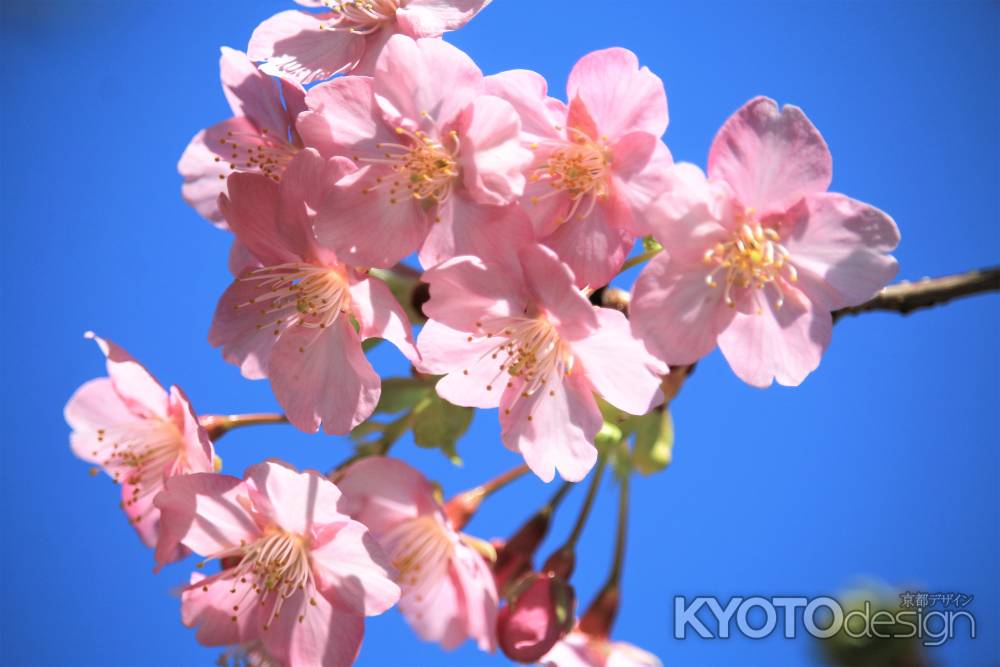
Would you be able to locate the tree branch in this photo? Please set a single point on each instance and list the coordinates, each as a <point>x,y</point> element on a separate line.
<point>906,297</point>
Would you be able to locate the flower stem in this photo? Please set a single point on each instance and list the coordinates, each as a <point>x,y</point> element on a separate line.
<point>218,425</point>
<point>463,506</point>
<point>562,562</point>
<point>600,616</point>
<point>639,259</point>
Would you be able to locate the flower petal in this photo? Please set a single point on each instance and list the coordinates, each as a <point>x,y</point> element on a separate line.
<point>619,96</point>
<point>424,83</point>
<point>320,375</point>
<point>431,18</point>
<point>527,91</point>
<point>208,604</point>
<point>312,632</point>
<point>251,93</point>
<point>354,572</point>
<point>203,512</point>
<point>674,312</point>
<point>133,383</point>
<point>841,247</point>
<point>465,290</point>
<point>472,375</point>
<point>553,428</point>
<point>771,159</point>
<point>492,157</point>
<point>380,315</point>
<point>783,344</point>
<point>294,44</point>
<point>342,118</point>
<point>298,502</point>
<point>618,366</point>
<point>491,233</point>
<point>550,282</point>
<point>92,408</point>
<point>382,492</point>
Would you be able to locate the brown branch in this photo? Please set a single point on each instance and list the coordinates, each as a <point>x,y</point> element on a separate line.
<point>906,297</point>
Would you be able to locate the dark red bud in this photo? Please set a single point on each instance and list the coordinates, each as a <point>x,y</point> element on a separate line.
<point>540,613</point>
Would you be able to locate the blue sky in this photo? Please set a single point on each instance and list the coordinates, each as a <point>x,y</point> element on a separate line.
<point>882,465</point>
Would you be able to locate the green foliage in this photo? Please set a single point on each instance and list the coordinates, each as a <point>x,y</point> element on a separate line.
<point>652,437</point>
<point>435,423</point>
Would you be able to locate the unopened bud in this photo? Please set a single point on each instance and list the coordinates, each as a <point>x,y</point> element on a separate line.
<point>540,613</point>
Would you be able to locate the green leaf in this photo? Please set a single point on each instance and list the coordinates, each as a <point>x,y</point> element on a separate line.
<point>399,394</point>
<point>654,442</point>
<point>438,423</point>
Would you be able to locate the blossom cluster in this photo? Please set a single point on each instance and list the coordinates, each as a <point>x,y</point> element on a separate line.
<point>361,139</point>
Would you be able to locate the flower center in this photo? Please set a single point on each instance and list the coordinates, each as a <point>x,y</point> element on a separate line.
<point>361,17</point>
<point>581,169</point>
<point>418,546</point>
<point>257,152</point>
<point>271,570</point>
<point>752,258</point>
<point>531,350</point>
<point>298,294</point>
<point>423,167</point>
<point>141,456</point>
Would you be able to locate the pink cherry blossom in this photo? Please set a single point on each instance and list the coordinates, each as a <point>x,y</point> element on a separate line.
<point>757,256</point>
<point>578,649</point>
<point>304,575</point>
<point>289,318</point>
<point>140,434</point>
<point>260,137</point>
<point>599,161</point>
<point>528,341</point>
<point>438,159</point>
<point>350,37</point>
<point>448,590</point>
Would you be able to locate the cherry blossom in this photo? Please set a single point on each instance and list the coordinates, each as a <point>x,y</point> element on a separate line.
<point>758,255</point>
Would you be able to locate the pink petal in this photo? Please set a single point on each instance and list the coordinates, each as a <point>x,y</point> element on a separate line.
<point>472,376</point>
<point>771,159</point>
<point>95,406</point>
<point>674,312</point>
<point>473,577</point>
<point>426,83</point>
<point>465,290</point>
<point>212,612</point>
<point>431,18</point>
<point>298,502</point>
<point>641,179</point>
<point>554,428</point>
<point>293,44</point>
<point>368,225</point>
<point>436,613</point>
<point>325,637</point>
<point>620,96</point>
<point>242,328</point>
<point>491,233</point>
<point>342,118</point>
<point>618,366</point>
<point>133,383</point>
<point>380,315</point>
<point>203,512</point>
<point>304,185</point>
<point>354,572</point>
<point>204,166</point>
<point>550,282</point>
<point>251,93</point>
<point>252,209</point>
<point>691,215</point>
<point>593,246</point>
<point>320,375</point>
<point>240,258</point>
<point>198,451</point>
<point>841,246</point>
<point>382,492</point>
<point>527,91</point>
<point>492,158</point>
<point>783,344</point>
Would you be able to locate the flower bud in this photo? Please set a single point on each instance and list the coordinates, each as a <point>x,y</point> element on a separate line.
<point>514,556</point>
<point>541,610</point>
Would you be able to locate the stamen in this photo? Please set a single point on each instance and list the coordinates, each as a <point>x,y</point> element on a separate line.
<point>425,167</point>
<point>753,258</point>
<point>261,152</point>
<point>360,17</point>
<point>581,169</point>
<point>298,294</point>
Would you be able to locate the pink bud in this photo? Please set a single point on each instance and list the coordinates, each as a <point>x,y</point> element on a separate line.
<point>540,612</point>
